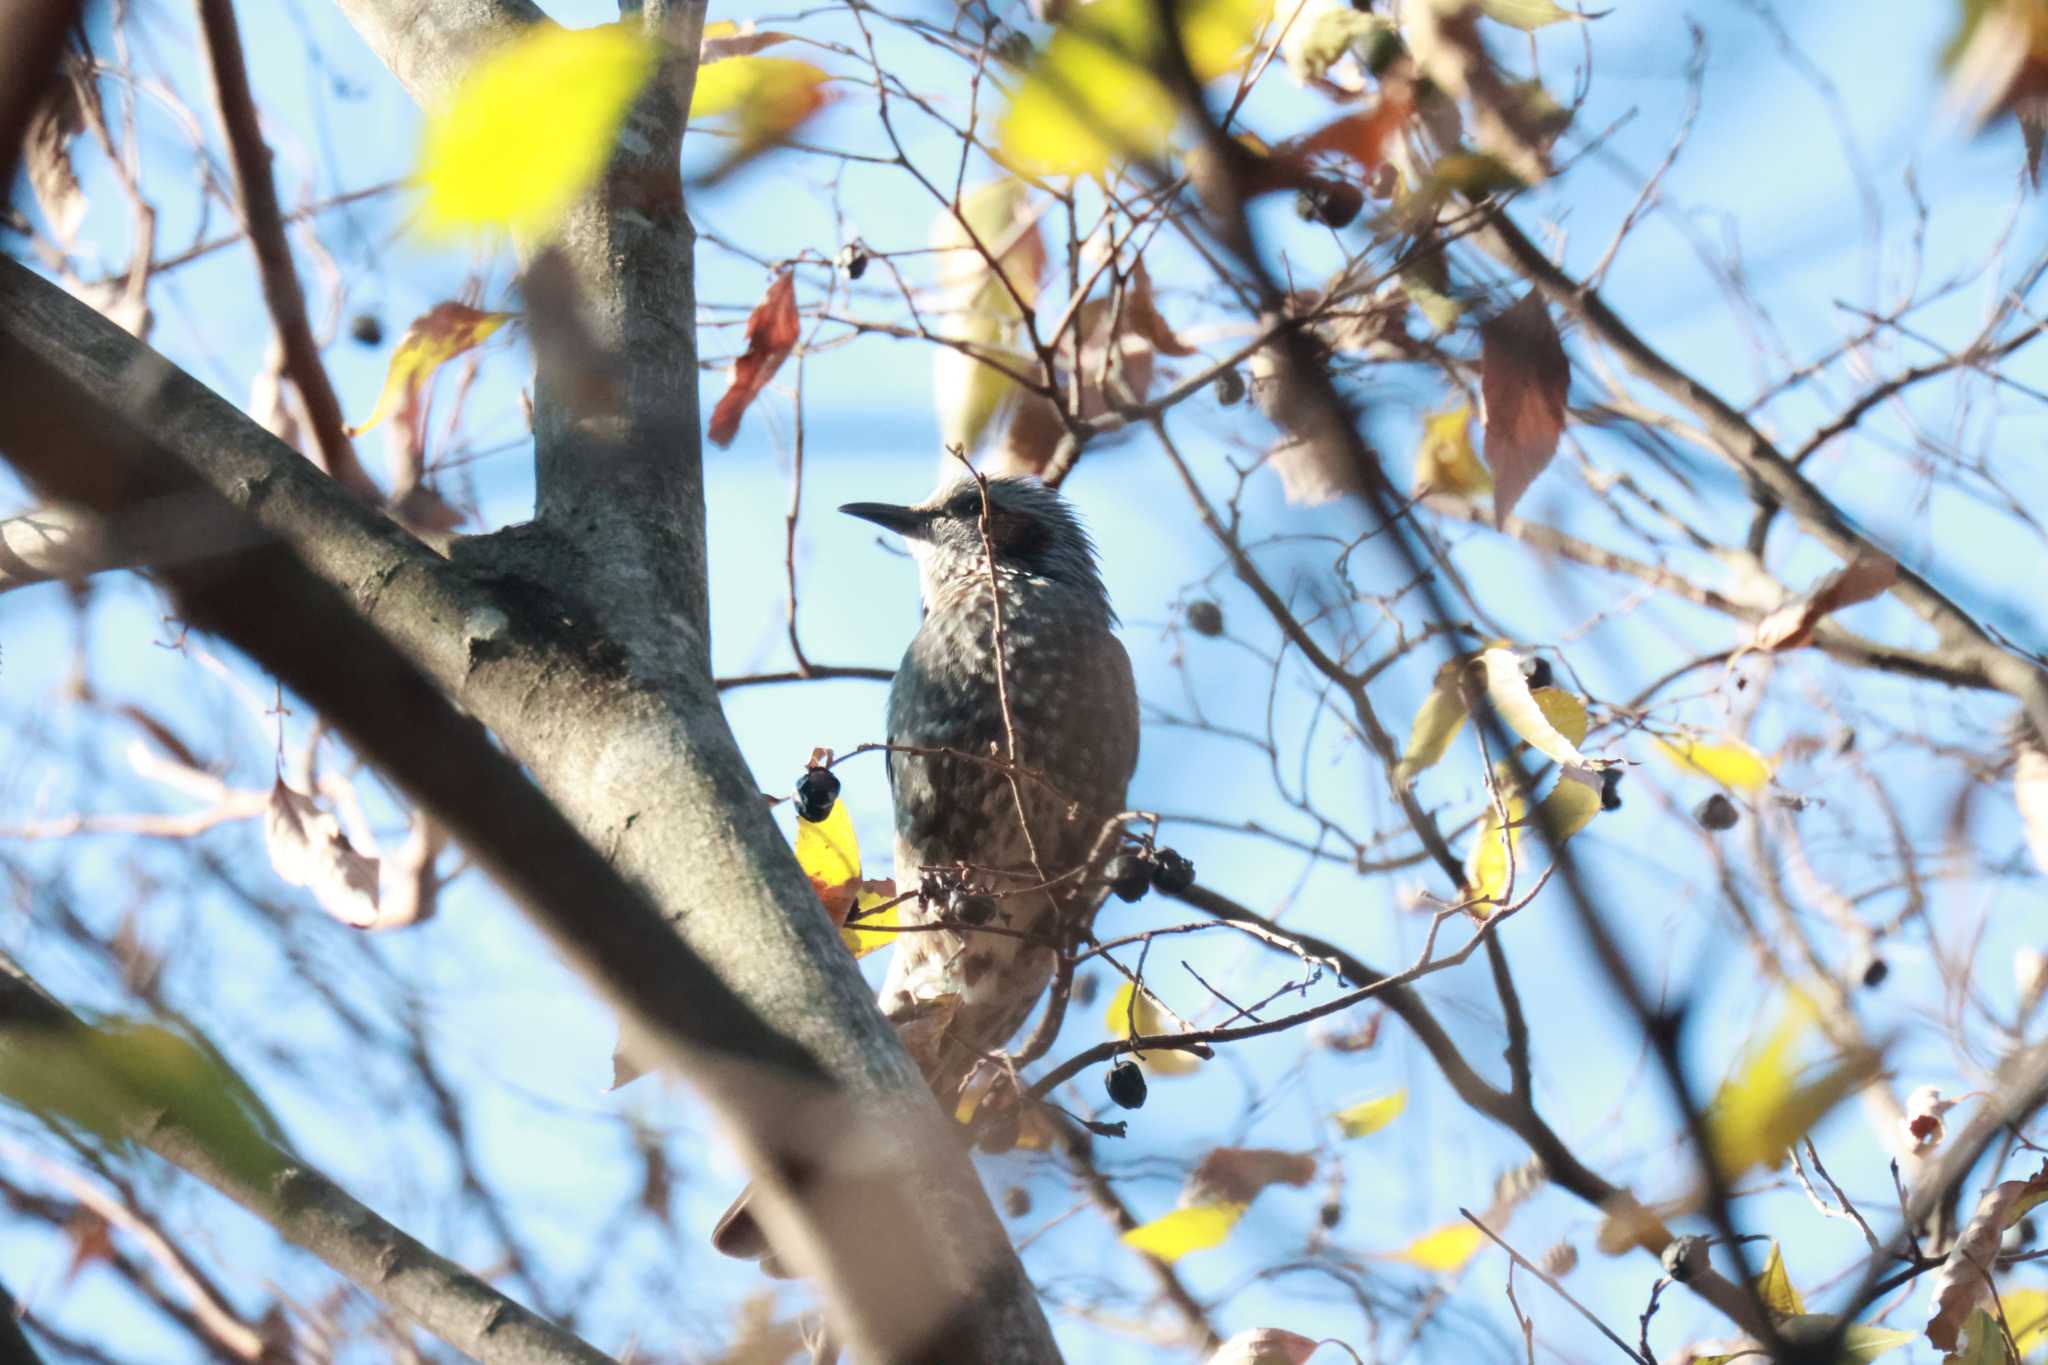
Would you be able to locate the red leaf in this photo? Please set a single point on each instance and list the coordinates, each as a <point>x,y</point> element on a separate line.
<point>1363,136</point>
<point>771,335</point>
<point>1523,378</point>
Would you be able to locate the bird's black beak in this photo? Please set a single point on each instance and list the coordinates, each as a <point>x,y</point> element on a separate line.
<point>911,522</point>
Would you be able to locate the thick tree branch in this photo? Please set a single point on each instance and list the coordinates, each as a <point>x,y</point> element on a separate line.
<point>308,1209</point>
<point>645,766</point>
<point>429,44</point>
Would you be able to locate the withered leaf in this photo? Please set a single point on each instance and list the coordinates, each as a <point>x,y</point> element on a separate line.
<point>307,848</point>
<point>1963,1283</point>
<point>772,331</point>
<point>1233,1175</point>
<point>59,116</point>
<point>1265,1346</point>
<point>1522,383</point>
<point>1791,625</point>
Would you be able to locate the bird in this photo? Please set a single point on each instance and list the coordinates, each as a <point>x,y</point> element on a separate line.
<point>1019,652</point>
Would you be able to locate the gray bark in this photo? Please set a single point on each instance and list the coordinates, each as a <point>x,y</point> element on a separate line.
<point>581,641</point>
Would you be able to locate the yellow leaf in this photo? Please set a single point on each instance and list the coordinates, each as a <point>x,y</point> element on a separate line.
<point>1526,14</point>
<point>1445,461</point>
<point>1437,722</point>
<point>531,126</point>
<point>829,853</point>
<point>1571,804</point>
<point>2026,1316</point>
<point>1150,1023</point>
<point>827,849</point>
<point>1369,1116</point>
<point>444,331</point>
<point>869,929</point>
<point>1092,96</point>
<point>1728,761</point>
<point>1445,1249</point>
<point>1763,1110</point>
<point>763,95</point>
<point>1486,869</point>
<point>1774,1287</point>
<point>1184,1230</point>
<point>1566,711</point>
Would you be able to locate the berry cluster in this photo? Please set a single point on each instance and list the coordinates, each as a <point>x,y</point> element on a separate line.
<point>1134,872</point>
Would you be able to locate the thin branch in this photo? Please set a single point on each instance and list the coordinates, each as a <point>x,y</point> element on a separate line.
<point>281,289</point>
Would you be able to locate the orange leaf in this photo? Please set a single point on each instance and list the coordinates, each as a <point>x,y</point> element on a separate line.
<point>1363,136</point>
<point>1522,380</point>
<point>442,332</point>
<point>771,335</point>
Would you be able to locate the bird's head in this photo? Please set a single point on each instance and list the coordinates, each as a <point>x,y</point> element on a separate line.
<point>1031,528</point>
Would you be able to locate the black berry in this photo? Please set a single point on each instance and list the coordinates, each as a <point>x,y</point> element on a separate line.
<point>1610,789</point>
<point>1333,203</point>
<point>971,908</point>
<point>1537,671</point>
<point>1126,1085</point>
<point>1016,1201</point>
<point>1229,388</point>
<point>365,329</point>
<point>1717,812</point>
<point>1205,618</point>
<point>816,790</point>
<point>1875,971</point>
<point>1330,1214</point>
<point>853,259</point>
<point>1172,873</point>
<point>1127,876</point>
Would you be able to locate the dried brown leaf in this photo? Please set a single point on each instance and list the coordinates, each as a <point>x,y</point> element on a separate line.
<point>1265,1346</point>
<point>1233,1175</point>
<point>307,848</point>
<point>772,331</point>
<point>1792,625</point>
<point>727,39</point>
<point>1522,383</point>
<point>1963,1283</point>
<point>57,118</point>
<point>2030,794</point>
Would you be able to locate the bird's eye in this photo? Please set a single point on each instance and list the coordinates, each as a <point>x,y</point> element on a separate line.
<point>965,505</point>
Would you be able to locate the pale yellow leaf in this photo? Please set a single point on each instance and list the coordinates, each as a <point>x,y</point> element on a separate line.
<point>1775,1287</point>
<point>1571,804</point>
<point>1144,1020</point>
<point>1174,1235</point>
<point>1527,14</point>
<point>1092,97</point>
<point>1770,1104</point>
<point>2026,1317</point>
<point>1437,722</point>
<point>531,126</point>
<point>1445,462</point>
<point>1728,761</point>
<point>1369,1116</point>
<point>1445,1249</point>
<point>1486,868</point>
